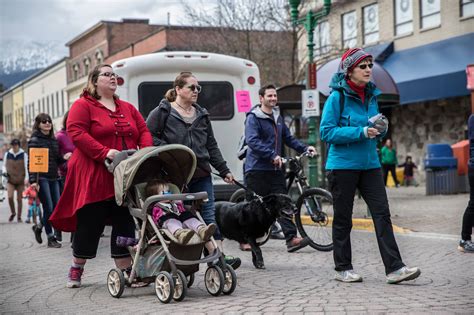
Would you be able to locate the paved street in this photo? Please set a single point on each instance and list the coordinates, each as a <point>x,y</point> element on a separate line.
<point>33,277</point>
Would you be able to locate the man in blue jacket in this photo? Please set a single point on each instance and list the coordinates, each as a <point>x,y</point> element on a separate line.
<point>265,132</point>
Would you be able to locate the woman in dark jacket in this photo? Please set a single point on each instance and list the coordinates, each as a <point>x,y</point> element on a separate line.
<point>47,184</point>
<point>189,124</point>
<point>352,163</point>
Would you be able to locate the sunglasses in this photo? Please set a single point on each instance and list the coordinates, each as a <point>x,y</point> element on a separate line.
<point>46,121</point>
<point>365,65</point>
<point>194,87</point>
<point>109,75</point>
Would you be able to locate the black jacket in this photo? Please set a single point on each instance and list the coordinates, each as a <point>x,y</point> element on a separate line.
<point>40,140</point>
<point>198,136</point>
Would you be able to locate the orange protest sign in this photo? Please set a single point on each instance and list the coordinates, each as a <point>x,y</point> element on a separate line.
<point>39,160</point>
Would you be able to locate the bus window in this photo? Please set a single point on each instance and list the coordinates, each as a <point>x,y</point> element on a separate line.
<point>216,97</point>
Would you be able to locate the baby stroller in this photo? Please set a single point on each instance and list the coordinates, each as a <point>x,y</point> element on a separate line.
<point>158,257</point>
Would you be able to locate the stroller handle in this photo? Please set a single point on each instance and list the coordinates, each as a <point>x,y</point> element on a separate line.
<point>119,157</point>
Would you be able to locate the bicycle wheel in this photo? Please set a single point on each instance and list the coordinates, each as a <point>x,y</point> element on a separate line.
<point>238,196</point>
<point>314,216</point>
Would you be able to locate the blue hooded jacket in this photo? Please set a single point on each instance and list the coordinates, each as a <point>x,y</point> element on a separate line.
<point>264,137</point>
<point>350,148</point>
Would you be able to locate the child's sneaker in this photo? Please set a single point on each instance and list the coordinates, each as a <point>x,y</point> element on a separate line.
<point>74,277</point>
<point>466,246</point>
<point>183,236</point>
<point>205,232</point>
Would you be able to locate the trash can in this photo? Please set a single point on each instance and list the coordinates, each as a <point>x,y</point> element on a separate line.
<point>441,170</point>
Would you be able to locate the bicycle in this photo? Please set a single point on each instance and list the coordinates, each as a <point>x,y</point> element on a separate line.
<point>314,206</point>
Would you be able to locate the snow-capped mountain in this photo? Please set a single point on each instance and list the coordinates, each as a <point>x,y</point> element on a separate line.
<point>16,56</point>
<point>19,59</point>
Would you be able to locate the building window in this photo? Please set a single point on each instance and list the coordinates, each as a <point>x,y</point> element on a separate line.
<point>99,57</point>
<point>467,8</point>
<point>371,23</point>
<point>62,101</point>
<point>75,71</point>
<point>430,13</point>
<point>349,30</point>
<point>57,105</point>
<point>403,17</point>
<point>87,64</point>
<point>322,39</point>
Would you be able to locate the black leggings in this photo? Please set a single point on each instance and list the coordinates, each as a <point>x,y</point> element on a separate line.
<point>392,169</point>
<point>91,221</point>
<point>468,217</point>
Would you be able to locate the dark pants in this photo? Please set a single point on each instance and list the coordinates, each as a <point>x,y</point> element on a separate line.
<point>468,217</point>
<point>392,169</point>
<point>343,184</point>
<point>91,220</point>
<point>264,183</point>
<point>49,197</point>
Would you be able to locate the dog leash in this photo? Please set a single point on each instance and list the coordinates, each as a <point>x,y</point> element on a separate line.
<point>253,193</point>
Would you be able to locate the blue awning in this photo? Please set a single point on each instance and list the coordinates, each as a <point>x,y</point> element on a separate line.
<point>433,71</point>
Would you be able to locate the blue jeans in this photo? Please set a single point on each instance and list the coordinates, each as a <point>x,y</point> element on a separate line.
<point>208,211</point>
<point>49,196</point>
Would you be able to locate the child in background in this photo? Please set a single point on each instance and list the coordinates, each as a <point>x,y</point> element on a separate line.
<point>33,204</point>
<point>172,215</point>
<point>408,172</point>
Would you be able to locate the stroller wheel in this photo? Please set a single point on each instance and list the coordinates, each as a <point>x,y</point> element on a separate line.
<point>180,286</point>
<point>214,280</point>
<point>230,280</point>
<point>190,279</point>
<point>115,282</point>
<point>164,287</point>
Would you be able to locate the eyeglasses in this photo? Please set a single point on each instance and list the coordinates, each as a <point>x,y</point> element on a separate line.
<point>46,121</point>
<point>166,192</point>
<point>109,74</point>
<point>365,65</point>
<point>194,87</point>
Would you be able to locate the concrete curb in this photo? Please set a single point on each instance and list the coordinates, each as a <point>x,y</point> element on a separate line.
<point>359,224</point>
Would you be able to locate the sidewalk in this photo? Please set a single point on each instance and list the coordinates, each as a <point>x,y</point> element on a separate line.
<point>412,209</point>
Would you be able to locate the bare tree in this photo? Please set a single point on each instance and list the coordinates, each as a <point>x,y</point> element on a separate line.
<point>260,31</point>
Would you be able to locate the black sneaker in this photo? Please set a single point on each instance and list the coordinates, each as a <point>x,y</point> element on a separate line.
<point>466,246</point>
<point>37,230</point>
<point>53,243</point>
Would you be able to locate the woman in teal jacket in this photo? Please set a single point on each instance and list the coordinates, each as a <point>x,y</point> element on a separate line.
<point>352,163</point>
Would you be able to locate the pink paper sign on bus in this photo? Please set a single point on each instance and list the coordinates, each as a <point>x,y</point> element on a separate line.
<point>244,103</point>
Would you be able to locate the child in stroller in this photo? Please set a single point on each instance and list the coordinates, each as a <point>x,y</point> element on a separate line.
<point>172,215</point>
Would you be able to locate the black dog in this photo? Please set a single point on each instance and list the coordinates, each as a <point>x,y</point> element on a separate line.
<point>245,222</point>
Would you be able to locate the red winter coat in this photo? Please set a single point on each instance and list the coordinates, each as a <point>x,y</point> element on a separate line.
<point>95,130</point>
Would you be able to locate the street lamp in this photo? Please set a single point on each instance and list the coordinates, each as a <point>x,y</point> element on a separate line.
<point>309,22</point>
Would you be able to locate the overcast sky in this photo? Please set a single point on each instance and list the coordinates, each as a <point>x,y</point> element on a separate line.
<point>62,20</point>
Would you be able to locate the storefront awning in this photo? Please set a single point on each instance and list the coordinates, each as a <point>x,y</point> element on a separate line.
<point>433,71</point>
<point>380,77</point>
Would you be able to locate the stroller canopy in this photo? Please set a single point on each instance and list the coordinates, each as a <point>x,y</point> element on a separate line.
<point>175,163</point>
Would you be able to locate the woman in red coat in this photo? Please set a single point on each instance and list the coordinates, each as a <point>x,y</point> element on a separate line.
<point>100,125</point>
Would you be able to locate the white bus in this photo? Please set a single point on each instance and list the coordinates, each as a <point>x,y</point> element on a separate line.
<point>148,77</point>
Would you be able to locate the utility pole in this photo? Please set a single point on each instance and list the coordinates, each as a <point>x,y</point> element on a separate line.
<point>309,22</point>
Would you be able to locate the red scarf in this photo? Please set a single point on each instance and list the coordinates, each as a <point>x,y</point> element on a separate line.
<point>359,89</point>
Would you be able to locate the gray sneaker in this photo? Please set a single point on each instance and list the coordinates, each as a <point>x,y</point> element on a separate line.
<point>347,276</point>
<point>403,274</point>
<point>466,246</point>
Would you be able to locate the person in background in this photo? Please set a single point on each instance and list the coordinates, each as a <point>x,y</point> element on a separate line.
<point>465,244</point>
<point>100,125</point>
<point>66,147</point>
<point>409,172</point>
<point>389,162</point>
<point>47,184</point>
<point>34,205</point>
<point>352,163</point>
<point>189,124</point>
<point>15,169</point>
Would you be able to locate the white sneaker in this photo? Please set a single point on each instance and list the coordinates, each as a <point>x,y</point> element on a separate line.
<point>347,276</point>
<point>403,274</point>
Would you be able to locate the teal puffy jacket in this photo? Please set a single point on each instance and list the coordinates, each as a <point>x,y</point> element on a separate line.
<point>349,147</point>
